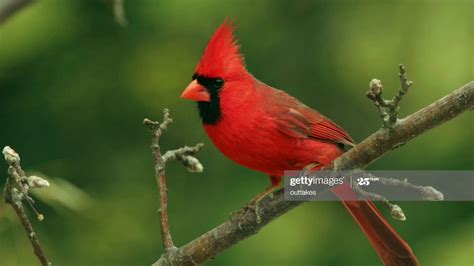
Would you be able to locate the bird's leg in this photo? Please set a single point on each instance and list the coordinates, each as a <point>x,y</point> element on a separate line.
<point>276,180</point>
<point>310,168</point>
<point>269,190</point>
<point>253,204</point>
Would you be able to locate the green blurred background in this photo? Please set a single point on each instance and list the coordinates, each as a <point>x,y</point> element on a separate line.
<point>75,87</point>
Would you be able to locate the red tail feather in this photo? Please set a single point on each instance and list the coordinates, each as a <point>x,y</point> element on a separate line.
<point>391,248</point>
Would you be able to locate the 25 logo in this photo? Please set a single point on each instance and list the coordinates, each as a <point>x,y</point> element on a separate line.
<point>365,181</point>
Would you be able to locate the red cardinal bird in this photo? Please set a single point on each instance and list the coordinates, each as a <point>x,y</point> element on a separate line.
<point>267,130</point>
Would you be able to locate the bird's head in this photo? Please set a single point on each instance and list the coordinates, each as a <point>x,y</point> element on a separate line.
<point>220,65</point>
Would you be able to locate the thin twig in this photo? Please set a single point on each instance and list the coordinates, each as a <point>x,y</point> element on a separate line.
<point>389,108</point>
<point>16,190</point>
<point>405,85</point>
<point>395,211</point>
<point>185,155</point>
<point>424,192</point>
<point>156,130</point>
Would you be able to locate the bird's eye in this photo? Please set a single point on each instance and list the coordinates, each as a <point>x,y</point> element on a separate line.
<point>218,83</point>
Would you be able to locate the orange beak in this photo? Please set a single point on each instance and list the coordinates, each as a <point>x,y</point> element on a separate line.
<point>196,92</point>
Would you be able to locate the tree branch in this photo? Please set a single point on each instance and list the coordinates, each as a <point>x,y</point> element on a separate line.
<point>395,133</point>
<point>185,155</point>
<point>16,190</point>
<point>10,7</point>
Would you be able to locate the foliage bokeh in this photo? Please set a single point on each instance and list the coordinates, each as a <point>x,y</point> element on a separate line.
<point>75,87</point>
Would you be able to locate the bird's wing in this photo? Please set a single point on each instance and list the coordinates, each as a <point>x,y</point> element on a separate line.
<point>298,120</point>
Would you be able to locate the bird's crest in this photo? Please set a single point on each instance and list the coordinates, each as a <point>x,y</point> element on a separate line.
<point>222,56</point>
